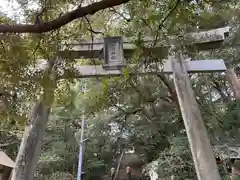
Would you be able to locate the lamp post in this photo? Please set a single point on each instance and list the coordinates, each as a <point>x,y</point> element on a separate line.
<point>80,159</point>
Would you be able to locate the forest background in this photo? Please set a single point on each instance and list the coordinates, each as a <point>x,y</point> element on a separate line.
<point>121,112</point>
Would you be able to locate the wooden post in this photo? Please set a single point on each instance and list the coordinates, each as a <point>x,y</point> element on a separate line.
<point>234,82</point>
<point>204,161</point>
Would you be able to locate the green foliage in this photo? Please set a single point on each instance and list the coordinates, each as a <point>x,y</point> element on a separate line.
<point>231,120</point>
<point>176,160</point>
<point>60,175</point>
<point>123,112</point>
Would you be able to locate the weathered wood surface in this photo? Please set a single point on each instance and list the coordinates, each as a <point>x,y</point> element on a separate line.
<point>204,40</point>
<point>204,161</point>
<point>198,66</point>
<point>30,148</point>
<point>234,82</point>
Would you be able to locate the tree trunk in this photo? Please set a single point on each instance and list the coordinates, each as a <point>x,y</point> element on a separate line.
<point>29,151</point>
<point>204,161</point>
<point>234,82</point>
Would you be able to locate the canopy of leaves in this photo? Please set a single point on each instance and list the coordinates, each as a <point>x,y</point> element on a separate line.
<point>120,113</point>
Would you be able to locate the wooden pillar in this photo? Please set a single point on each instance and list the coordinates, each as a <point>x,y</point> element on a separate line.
<point>234,82</point>
<point>204,161</point>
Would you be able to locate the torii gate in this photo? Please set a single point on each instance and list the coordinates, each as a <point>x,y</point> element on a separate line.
<point>114,47</point>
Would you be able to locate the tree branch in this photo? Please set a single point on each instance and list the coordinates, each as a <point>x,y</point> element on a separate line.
<point>120,14</point>
<point>217,86</point>
<point>169,86</point>
<point>61,21</point>
<point>9,143</point>
<point>163,21</point>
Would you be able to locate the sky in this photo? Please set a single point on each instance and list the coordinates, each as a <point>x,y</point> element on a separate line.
<point>10,7</point>
<point>13,9</point>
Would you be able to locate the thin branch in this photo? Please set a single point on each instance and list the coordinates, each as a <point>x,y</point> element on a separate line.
<point>9,143</point>
<point>161,25</point>
<point>126,112</point>
<point>120,14</point>
<point>121,109</point>
<point>4,49</point>
<point>217,86</point>
<point>163,21</point>
<point>95,32</point>
<point>61,21</point>
<point>92,38</point>
<point>91,29</point>
<point>210,113</point>
<point>146,23</point>
<point>80,5</point>
<point>37,47</point>
<point>137,90</point>
<point>147,115</point>
<point>169,86</point>
<point>120,113</point>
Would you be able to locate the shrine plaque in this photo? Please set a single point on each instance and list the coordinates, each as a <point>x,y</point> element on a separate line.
<point>113,53</point>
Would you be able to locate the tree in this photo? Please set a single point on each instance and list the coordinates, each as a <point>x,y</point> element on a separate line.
<point>30,147</point>
<point>62,20</point>
<point>144,109</point>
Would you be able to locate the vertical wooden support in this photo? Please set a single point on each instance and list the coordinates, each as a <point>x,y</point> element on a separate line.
<point>234,82</point>
<point>204,161</point>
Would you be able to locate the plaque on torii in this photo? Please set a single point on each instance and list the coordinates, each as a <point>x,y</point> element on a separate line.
<point>113,53</point>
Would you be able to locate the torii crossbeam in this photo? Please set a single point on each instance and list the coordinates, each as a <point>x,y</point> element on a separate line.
<point>210,39</point>
<point>203,40</point>
<point>198,66</point>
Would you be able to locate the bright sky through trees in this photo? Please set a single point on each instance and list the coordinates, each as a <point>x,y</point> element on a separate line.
<point>12,9</point>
